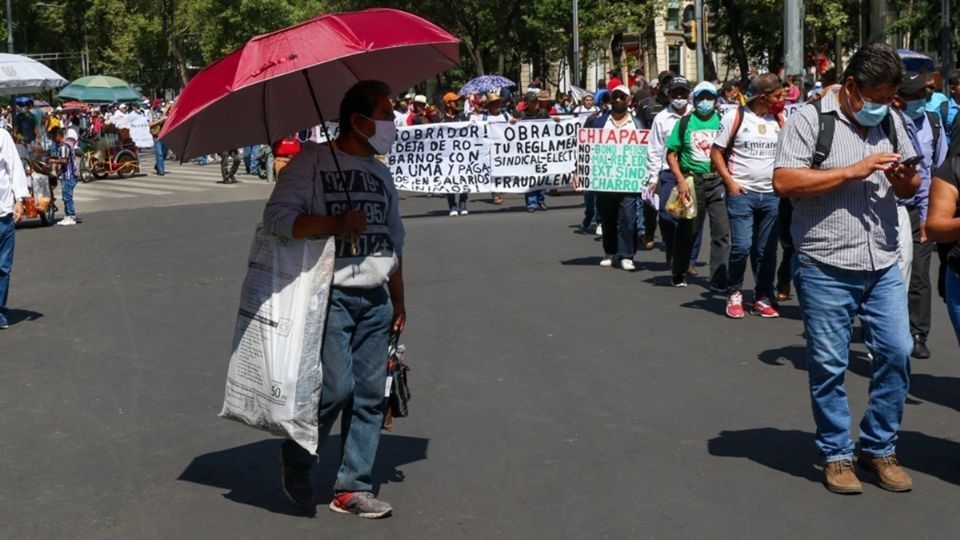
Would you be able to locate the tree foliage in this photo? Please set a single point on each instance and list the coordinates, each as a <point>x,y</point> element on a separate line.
<point>160,43</point>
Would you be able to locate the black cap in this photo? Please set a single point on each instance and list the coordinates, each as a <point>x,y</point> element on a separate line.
<point>912,83</point>
<point>678,82</point>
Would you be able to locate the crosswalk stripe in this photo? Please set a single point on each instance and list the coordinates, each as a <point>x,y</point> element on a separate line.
<point>86,190</point>
<point>127,183</point>
<point>124,189</point>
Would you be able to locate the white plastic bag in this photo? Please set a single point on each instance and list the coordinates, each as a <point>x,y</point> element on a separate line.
<point>274,378</point>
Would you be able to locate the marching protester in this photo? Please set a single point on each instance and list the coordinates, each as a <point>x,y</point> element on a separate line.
<point>943,226</point>
<point>586,106</point>
<point>451,113</point>
<point>533,111</point>
<point>13,190</point>
<point>688,155</point>
<point>159,147</point>
<point>420,113</point>
<point>618,211</point>
<point>846,261</point>
<point>660,177</point>
<point>494,114</point>
<point>743,154</point>
<point>929,141</point>
<point>229,165</point>
<point>366,301</point>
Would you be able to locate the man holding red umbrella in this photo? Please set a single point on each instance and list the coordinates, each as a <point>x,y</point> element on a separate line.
<point>313,198</point>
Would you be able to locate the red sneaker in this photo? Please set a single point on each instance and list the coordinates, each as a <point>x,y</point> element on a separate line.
<point>763,308</point>
<point>735,305</point>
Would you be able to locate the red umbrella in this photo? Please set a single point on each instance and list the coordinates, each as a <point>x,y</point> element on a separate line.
<point>289,80</point>
<point>74,106</point>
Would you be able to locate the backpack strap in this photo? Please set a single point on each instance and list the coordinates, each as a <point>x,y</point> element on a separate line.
<point>826,123</point>
<point>684,122</point>
<point>737,122</point>
<point>937,128</point>
<point>890,127</point>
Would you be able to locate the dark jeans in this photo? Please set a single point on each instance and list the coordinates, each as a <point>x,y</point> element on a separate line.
<point>452,201</point>
<point>618,215</point>
<point>919,295</point>
<point>647,225</point>
<point>354,361</point>
<point>590,213</point>
<point>785,271</point>
<point>754,230</point>
<point>710,200</point>
<point>7,236</point>
<point>668,223</point>
<point>229,164</point>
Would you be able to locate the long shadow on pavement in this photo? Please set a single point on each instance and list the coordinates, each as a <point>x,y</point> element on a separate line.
<point>789,451</point>
<point>794,453</point>
<point>15,316</point>
<point>251,473</point>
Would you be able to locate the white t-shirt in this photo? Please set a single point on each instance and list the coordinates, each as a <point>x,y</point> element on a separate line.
<point>500,118</point>
<point>585,110</point>
<point>754,149</point>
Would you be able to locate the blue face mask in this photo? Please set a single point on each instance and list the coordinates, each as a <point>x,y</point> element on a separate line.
<point>915,108</point>
<point>705,107</point>
<point>871,114</point>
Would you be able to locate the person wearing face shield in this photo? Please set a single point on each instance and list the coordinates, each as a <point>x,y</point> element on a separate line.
<point>929,140</point>
<point>844,227</point>
<point>366,301</point>
<point>743,154</point>
<point>688,155</point>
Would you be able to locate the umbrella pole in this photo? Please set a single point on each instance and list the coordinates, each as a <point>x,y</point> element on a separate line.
<point>354,246</point>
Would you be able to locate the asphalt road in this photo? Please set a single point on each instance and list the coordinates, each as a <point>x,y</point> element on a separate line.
<point>552,398</point>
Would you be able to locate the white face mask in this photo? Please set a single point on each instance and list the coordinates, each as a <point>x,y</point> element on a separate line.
<point>679,104</point>
<point>384,135</point>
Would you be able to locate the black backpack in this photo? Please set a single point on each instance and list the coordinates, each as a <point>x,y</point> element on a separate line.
<point>828,124</point>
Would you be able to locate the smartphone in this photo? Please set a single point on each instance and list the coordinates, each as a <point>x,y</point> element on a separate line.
<point>912,162</point>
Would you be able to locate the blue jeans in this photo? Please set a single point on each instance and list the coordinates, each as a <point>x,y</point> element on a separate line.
<point>250,163</point>
<point>354,360</point>
<point>6,258</point>
<point>952,281</point>
<point>160,150</point>
<point>754,234</point>
<point>534,198</point>
<point>66,190</point>
<point>830,298</point>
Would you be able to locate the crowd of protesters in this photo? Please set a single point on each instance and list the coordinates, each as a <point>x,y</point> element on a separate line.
<point>852,192</point>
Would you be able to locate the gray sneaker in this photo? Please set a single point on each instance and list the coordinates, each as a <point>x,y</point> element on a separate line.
<point>361,503</point>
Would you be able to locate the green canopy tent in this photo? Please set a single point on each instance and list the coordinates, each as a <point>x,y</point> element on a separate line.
<point>100,89</point>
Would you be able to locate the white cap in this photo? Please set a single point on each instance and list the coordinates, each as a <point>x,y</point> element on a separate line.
<point>72,134</point>
<point>123,106</point>
<point>420,98</point>
<point>705,86</point>
<point>622,88</point>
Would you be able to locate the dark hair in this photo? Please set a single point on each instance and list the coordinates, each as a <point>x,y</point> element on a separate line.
<point>361,98</point>
<point>874,65</point>
<point>954,78</point>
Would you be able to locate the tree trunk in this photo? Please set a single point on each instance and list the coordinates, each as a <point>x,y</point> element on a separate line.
<point>735,20</point>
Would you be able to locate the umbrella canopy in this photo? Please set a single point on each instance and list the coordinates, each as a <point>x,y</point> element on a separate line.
<point>100,88</point>
<point>74,106</point>
<point>915,61</point>
<point>22,75</point>
<point>485,84</point>
<point>280,83</point>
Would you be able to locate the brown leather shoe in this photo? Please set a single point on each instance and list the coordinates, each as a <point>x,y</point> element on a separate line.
<point>839,477</point>
<point>890,474</point>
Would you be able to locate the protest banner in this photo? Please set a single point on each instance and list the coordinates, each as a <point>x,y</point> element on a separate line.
<point>441,158</point>
<point>139,130</point>
<point>612,159</point>
<point>536,148</point>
